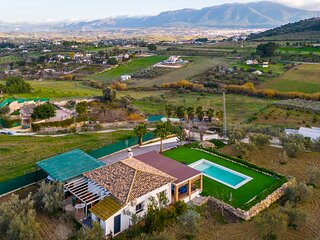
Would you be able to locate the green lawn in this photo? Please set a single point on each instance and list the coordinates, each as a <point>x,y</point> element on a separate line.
<point>60,90</point>
<point>300,50</point>
<point>303,78</point>
<point>8,59</point>
<point>235,197</point>
<point>127,68</point>
<point>18,154</point>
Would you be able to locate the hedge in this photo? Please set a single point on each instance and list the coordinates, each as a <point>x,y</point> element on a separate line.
<point>65,123</point>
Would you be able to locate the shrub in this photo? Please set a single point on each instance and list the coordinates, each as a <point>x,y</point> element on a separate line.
<point>313,176</point>
<point>119,86</point>
<point>294,148</point>
<point>49,197</point>
<point>272,224</point>
<point>190,220</point>
<point>298,192</point>
<point>295,216</point>
<point>260,140</point>
<point>18,218</point>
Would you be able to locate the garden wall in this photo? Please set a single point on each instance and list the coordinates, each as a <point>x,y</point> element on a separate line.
<point>256,209</point>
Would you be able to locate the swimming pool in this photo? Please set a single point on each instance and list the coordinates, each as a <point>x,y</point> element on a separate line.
<point>221,174</point>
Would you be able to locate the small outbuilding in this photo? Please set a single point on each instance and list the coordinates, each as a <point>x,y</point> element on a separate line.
<point>125,77</point>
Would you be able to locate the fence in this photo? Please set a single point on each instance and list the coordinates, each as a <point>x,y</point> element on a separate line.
<point>21,181</point>
<point>118,146</point>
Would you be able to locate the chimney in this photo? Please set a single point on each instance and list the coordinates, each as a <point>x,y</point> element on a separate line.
<point>130,153</point>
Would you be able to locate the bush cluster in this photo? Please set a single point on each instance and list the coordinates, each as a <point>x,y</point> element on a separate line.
<point>250,90</point>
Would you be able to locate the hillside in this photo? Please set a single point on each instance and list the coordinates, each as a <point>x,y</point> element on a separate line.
<point>235,15</point>
<point>309,27</point>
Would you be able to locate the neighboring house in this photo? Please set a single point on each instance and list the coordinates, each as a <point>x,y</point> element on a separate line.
<point>252,62</point>
<point>257,73</point>
<point>313,133</point>
<point>26,112</point>
<point>265,64</point>
<point>125,77</point>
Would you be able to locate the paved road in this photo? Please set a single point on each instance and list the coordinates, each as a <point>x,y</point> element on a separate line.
<point>139,150</point>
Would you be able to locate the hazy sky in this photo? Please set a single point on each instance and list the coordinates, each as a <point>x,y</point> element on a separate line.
<point>54,10</point>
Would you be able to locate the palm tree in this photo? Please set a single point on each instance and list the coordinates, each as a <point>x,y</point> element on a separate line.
<point>199,112</point>
<point>140,131</point>
<point>210,114</point>
<point>163,130</point>
<point>180,111</point>
<point>190,113</point>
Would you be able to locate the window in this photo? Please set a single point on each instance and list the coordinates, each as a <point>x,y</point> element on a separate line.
<point>139,207</point>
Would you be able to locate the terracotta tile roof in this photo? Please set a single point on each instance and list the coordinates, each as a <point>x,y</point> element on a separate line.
<point>178,170</point>
<point>129,179</point>
<point>106,208</point>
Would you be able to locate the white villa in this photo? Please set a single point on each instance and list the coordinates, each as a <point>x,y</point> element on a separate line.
<point>110,194</point>
<point>313,133</point>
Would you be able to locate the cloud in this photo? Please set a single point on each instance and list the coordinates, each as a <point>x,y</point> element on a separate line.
<point>313,5</point>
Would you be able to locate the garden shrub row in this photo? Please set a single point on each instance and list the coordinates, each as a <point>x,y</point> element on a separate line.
<point>65,123</point>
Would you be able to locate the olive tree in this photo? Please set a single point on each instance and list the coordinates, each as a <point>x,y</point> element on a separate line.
<point>18,218</point>
<point>49,197</point>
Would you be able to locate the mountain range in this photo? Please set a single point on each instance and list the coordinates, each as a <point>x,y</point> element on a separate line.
<point>236,15</point>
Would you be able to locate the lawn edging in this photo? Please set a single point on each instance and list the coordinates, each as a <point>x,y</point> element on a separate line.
<point>256,209</point>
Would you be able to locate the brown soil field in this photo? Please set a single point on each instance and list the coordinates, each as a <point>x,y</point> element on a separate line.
<point>276,116</point>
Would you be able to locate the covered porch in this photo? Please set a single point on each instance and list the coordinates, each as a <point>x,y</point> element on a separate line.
<point>85,193</point>
<point>188,189</point>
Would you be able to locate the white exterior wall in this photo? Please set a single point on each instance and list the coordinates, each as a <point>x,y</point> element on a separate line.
<point>108,225</point>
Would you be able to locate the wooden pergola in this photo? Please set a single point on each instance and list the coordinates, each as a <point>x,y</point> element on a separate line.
<point>87,191</point>
<point>189,183</point>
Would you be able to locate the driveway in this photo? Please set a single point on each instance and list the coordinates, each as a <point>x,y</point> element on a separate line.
<point>167,144</point>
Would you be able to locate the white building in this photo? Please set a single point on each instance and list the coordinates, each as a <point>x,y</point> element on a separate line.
<point>313,133</point>
<point>127,186</point>
<point>125,77</point>
<point>257,73</point>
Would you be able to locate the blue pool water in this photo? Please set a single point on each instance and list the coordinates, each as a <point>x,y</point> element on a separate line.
<point>222,174</point>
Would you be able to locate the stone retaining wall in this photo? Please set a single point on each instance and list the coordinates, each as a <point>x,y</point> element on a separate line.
<point>256,209</point>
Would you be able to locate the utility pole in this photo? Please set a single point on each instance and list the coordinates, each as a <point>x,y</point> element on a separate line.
<point>224,131</point>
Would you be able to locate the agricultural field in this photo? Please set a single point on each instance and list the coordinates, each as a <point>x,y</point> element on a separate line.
<point>60,90</point>
<point>188,72</point>
<point>277,68</point>
<point>18,154</point>
<point>300,50</point>
<point>240,197</point>
<point>283,117</point>
<point>8,59</point>
<point>126,68</point>
<point>239,108</point>
<point>302,78</point>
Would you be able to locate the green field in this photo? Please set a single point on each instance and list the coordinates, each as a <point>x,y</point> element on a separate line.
<point>275,68</point>
<point>8,59</point>
<point>60,90</point>
<point>303,78</point>
<point>300,50</point>
<point>238,198</point>
<point>239,108</point>
<point>127,68</point>
<point>18,154</point>
<point>189,71</point>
